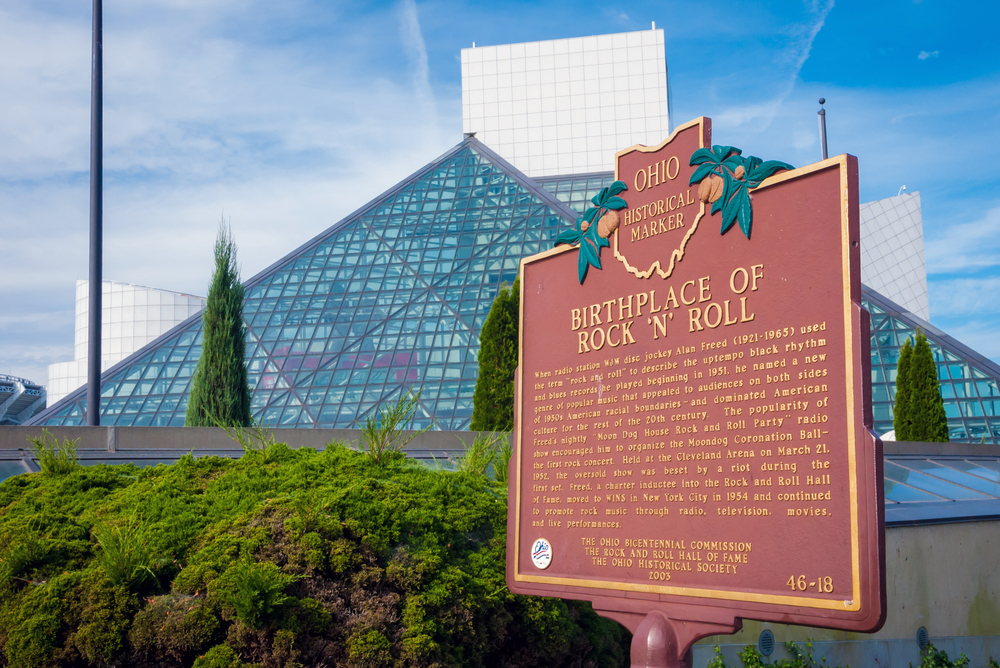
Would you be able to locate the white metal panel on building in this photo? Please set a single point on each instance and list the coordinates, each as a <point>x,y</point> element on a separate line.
<point>566,106</point>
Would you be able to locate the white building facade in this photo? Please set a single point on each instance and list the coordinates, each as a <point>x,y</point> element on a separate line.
<point>131,317</point>
<point>892,251</point>
<point>566,106</point>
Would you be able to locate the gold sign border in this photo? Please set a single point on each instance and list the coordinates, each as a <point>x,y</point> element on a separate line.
<point>852,604</point>
<point>677,254</point>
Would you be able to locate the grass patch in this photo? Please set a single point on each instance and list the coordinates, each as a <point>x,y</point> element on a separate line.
<point>487,455</point>
<point>53,457</point>
<point>382,435</point>
<point>124,552</point>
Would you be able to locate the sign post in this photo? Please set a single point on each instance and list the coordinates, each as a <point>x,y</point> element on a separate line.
<point>692,429</point>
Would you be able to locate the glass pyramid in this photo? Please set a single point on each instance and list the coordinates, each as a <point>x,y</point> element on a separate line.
<point>394,296</point>
<point>391,298</point>
<point>969,381</point>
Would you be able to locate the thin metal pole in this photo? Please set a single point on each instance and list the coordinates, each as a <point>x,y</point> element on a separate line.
<point>96,220</point>
<point>822,126</point>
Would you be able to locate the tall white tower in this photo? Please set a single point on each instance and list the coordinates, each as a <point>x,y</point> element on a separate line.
<point>131,317</point>
<point>565,106</point>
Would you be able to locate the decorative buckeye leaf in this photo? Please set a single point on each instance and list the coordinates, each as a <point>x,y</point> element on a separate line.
<point>744,212</point>
<point>615,203</point>
<point>605,198</point>
<point>763,170</point>
<point>701,156</point>
<point>734,161</point>
<point>570,237</point>
<point>598,239</point>
<point>727,192</point>
<point>739,176</point>
<point>703,170</point>
<point>590,240</point>
<point>617,187</point>
<point>723,152</point>
<point>590,254</point>
<point>731,209</point>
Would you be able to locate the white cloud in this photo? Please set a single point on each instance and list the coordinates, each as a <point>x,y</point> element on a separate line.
<point>31,358</point>
<point>763,112</point>
<point>965,297</point>
<point>924,55</point>
<point>966,246</point>
<point>413,42</point>
<point>803,139</point>
<point>206,112</point>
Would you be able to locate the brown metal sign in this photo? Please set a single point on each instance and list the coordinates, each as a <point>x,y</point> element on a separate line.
<point>692,419</point>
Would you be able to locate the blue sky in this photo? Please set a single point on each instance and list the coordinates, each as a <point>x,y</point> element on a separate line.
<point>286,116</point>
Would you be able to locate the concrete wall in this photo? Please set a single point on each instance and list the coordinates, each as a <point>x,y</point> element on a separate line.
<point>115,439</point>
<point>934,449</point>
<point>943,577</point>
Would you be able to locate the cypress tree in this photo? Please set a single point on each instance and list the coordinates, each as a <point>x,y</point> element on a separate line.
<point>220,394</point>
<point>901,407</point>
<point>493,401</point>
<point>928,421</point>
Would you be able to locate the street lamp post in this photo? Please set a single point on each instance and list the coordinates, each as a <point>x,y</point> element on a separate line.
<point>822,126</point>
<point>96,220</point>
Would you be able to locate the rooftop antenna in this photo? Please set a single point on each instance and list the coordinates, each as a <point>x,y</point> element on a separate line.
<point>822,126</point>
<point>96,219</point>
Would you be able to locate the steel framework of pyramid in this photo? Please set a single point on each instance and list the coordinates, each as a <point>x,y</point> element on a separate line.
<point>393,297</point>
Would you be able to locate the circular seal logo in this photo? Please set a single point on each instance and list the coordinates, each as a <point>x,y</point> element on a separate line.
<point>541,553</point>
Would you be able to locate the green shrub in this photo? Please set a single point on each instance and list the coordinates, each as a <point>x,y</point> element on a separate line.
<point>501,460</point>
<point>257,441</point>
<point>493,399</point>
<point>220,393</point>
<point>220,656</point>
<point>107,611</point>
<point>300,558</point>
<point>54,458</point>
<point>932,657</point>
<point>369,649</point>
<point>177,627</point>
<point>254,590</point>
<point>35,621</point>
<point>918,409</point>
<point>751,657</point>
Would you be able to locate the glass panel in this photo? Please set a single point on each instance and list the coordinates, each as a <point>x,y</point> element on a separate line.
<point>989,469</point>
<point>943,469</point>
<point>931,484</point>
<point>900,493</point>
<point>10,468</point>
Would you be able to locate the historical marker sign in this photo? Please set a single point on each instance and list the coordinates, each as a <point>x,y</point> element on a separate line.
<point>693,411</point>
